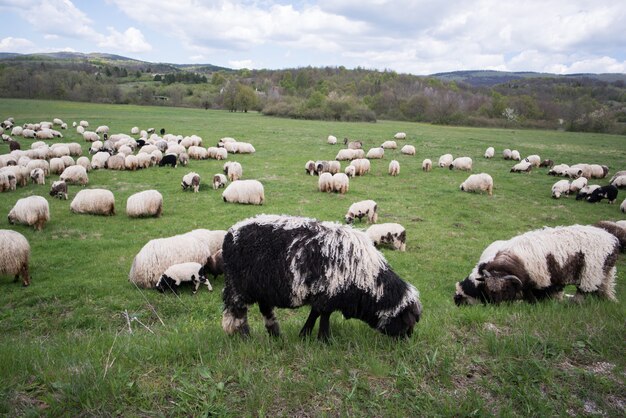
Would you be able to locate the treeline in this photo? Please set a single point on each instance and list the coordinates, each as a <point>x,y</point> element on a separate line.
<point>333,93</point>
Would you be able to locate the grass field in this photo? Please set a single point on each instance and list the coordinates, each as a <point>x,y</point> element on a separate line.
<point>67,350</point>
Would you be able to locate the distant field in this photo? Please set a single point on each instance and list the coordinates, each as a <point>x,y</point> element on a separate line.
<point>66,348</point>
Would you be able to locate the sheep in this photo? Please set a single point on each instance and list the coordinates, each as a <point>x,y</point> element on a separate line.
<point>131,162</point>
<point>558,170</point>
<point>477,183</point>
<point>125,150</point>
<point>102,129</point>
<point>394,168</point>
<point>534,160</point>
<point>57,121</point>
<point>539,264</point>
<point>32,211</point>
<point>619,181</point>
<point>28,133</point>
<point>616,175</point>
<point>215,265</point>
<point>174,148</point>
<point>586,191</point>
<point>445,160</point>
<point>350,171</point>
<point>506,154</point>
<point>169,159</point>
<point>191,181</point>
<point>579,170</point>
<point>389,145</point>
<point>145,160</point>
<point>144,204</point>
<point>515,155</point>
<point>75,174</point>
<point>332,167</point>
<point>68,161</point>
<point>59,189</point>
<point>14,255</point>
<point>489,152</point>
<point>309,168</point>
<point>37,176</point>
<point>99,160</point>
<point>561,187</point>
<point>547,163</point>
<point>94,202</point>
<point>325,182</point>
<point>44,165</point>
<point>323,264</point>
<point>341,183</point>
<point>244,148</point>
<point>183,272</point>
<point>408,150</point>
<point>427,165</point>
<point>17,131</point>
<point>375,153</point>
<point>616,229</point>
<point>622,207</point>
<point>608,192</point>
<point>220,154</point>
<point>392,235</point>
<point>577,184</point>
<point>364,208</point>
<point>81,130</point>
<point>90,136</point>
<point>361,166</point>
<point>353,144</point>
<point>244,191</point>
<point>197,153</point>
<point>64,125</point>
<point>400,135</point>
<point>461,163</point>
<point>44,134</point>
<point>14,145</point>
<point>84,162</point>
<point>598,171</point>
<point>332,140</point>
<point>7,181</point>
<point>233,170</point>
<point>349,154</point>
<point>134,130</point>
<point>522,167</point>
<point>56,165</point>
<point>84,123</point>
<point>219,180</point>
<point>183,159</point>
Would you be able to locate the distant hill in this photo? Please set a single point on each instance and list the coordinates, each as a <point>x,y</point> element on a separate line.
<point>488,78</point>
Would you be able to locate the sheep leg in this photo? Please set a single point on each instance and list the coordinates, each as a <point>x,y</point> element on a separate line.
<point>307,329</point>
<point>25,276</point>
<point>271,324</point>
<point>324,331</point>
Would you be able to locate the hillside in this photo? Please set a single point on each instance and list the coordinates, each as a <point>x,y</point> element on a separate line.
<point>488,78</point>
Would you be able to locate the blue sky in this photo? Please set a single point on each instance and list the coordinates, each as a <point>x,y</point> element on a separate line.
<point>413,36</point>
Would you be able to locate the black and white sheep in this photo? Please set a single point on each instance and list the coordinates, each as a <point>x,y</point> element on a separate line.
<point>561,187</point>
<point>183,272</point>
<point>145,204</point>
<point>169,159</point>
<point>191,181</point>
<point>309,168</point>
<point>219,180</point>
<point>14,255</point>
<point>37,176</point>
<point>391,235</point>
<point>586,191</point>
<point>539,264</point>
<point>322,264</point>
<point>59,189</point>
<point>32,211</point>
<point>608,192</point>
<point>364,208</point>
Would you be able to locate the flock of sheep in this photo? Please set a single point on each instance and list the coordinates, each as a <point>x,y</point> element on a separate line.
<point>322,264</point>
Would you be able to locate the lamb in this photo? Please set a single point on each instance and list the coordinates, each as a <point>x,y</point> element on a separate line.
<point>169,159</point>
<point>577,184</point>
<point>341,183</point>
<point>59,189</point>
<point>134,130</point>
<point>14,255</point>
<point>534,160</point>
<point>57,121</point>
<point>323,264</point>
<point>586,191</point>
<point>183,272</point>
<point>375,153</point>
<point>394,168</point>
<point>539,264</point>
<point>144,204</point>
<point>75,174</point>
<point>325,182</point>
<point>461,163</point>
<point>490,152</point>
<point>32,211</point>
<point>400,135</point>
<point>309,168</point>
<point>605,192</point>
<point>522,167</point>
<point>561,187</point>
<point>219,180</point>
<point>94,202</point>
<point>515,155</point>
<point>244,191</point>
<point>361,209</point>
<point>233,170</point>
<point>477,183</point>
<point>332,140</point>
<point>506,154</point>
<point>361,166</point>
<point>37,176</point>
<point>350,171</point>
<point>427,165</point>
<point>559,170</point>
<point>391,235</point>
<point>408,150</point>
<point>445,160</point>
<point>389,145</point>
<point>191,181</point>
<point>81,130</point>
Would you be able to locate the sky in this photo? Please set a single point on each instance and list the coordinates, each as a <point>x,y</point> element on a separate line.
<point>409,36</point>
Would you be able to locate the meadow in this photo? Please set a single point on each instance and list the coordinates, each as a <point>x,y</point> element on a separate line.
<point>84,341</point>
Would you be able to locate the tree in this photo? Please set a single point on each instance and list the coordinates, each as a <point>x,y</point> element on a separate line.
<point>245,98</point>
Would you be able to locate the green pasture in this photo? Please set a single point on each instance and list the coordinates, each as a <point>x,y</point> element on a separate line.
<point>84,341</point>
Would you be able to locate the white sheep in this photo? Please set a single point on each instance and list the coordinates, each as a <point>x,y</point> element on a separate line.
<point>394,168</point>
<point>84,123</point>
<point>534,160</point>
<point>577,184</point>
<point>125,150</point>
<point>131,162</point>
<point>408,150</point>
<point>619,181</point>
<point>175,148</point>
<point>37,176</point>
<point>364,208</point>
<point>325,182</point>
<point>462,163</point>
<point>400,135</point>
<point>134,130</point>
<point>341,183</point>
<point>56,165</point>
<point>43,164</point>
<point>332,140</point>
<point>445,160</point>
<point>233,170</point>
<point>244,148</point>
<point>81,130</point>
<point>389,145</point>
<point>244,191</point>
<point>219,180</point>
<point>102,129</point>
<point>309,168</point>
<point>197,153</point>
<point>59,150</point>
<point>95,147</point>
<point>559,188</point>
<point>32,211</point>
<point>75,174</point>
<point>350,171</point>
<point>84,162</point>
<point>375,153</point>
<point>94,202</point>
<point>99,159</point>
<point>349,154</point>
<point>515,156</point>
<point>183,272</point>
<point>490,152</point>
<point>388,234</point>
<point>361,165</point>
<point>506,154</point>
<point>522,167</point>
<point>622,207</point>
<point>191,181</point>
<point>90,136</point>
<point>477,183</point>
<point>75,149</point>
<point>14,255</point>
<point>427,165</point>
<point>144,204</point>
<point>559,170</point>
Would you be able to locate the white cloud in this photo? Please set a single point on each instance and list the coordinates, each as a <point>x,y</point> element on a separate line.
<point>19,45</point>
<point>131,40</point>
<point>241,64</point>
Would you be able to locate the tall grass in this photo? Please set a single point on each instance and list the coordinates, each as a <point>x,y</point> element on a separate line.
<point>82,340</point>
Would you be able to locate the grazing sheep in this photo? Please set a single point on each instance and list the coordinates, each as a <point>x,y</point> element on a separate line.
<point>90,136</point>
<point>174,148</point>
<point>14,255</point>
<point>215,266</point>
<point>32,211</point>
<point>131,162</point>
<point>400,135</point>
<point>332,140</point>
<point>309,168</point>
<point>157,157</point>
<point>332,167</point>
<point>427,165</point>
<point>408,150</point>
<point>244,191</point>
<point>605,192</point>
<point>445,160</point>
<point>94,202</point>
<point>490,152</point>
<point>619,181</point>
<point>598,171</point>
<point>191,181</point>
<point>244,148</point>
<point>17,131</point>
<point>506,154</point>
<point>375,153</point>
<point>59,189</point>
<point>144,204</point>
<point>391,235</point>
<point>622,207</point>
<point>515,155</point>
<point>534,160</point>
<point>349,154</point>
<point>145,160</point>
<point>325,182</point>
<point>75,174</point>
<point>559,170</point>
<point>103,129</point>
<point>350,171</point>
<point>84,123</point>
<point>539,264</point>
<point>361,209</point>
<point>233,170</point>
<point>559,188</point>
<point>169,159</point>
<point>616,175</point>
<point>577,184</point>
<point>461,163</point>
<point>134,130</point>
<point>37,176</point>
<point>197,153</point>
<point>361,166</point>
<point>522,167</point>
<point>84,162</point>
<point>477,183</point>
<point>389,145</point>
<point>219,180</point>
<point>81,130</point>
<point>547,163</point>
<point>14,145</point>
<point>322,264</point>
<point>394,168</point>
<point>341,183</point>
<point>68,161</point>
<point>183,158</point>
<point>586,191</point>
<point>99,160</point>
<point>43,164</point>
<point>579,170</point>
<point>352,144</point>
<point>125,150</point>
<point>183,272</point>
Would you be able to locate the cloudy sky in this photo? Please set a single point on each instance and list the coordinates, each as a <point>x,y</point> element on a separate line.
<point>413,36</point>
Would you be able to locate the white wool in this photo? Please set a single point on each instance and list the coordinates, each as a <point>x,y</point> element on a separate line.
<point>349,154</point>
<point>38,176</point>
<point>332,140</point>
<point>341,183</point>
<point>350,171</point>
<point>462,163</point>
<point>57,121</point>
<point>75,174</point>
<point>245,191</point>
<point>490,152</point>
<point>618,174</point>
<point>183,272</point>
<point>125,150</point>
<point>577,184</point>
<point>389,145</point>
<point>234,170</point>
<point>559,188</point>
<point>535,160</point>
<point>596,171</point>
<point>408,150</point>
<point>28,133</point>
<point>521,167</point>
<point>59,150</point>
<point>95,147</point>
<point>56,166</point>
<point>146,203</point>
<point>188,180</point>
<point>212,239</point>
<point>134,130</point>
<point>515,155</point>
<point>131,162</point>
<point>334,167</point>
<point>227,139</point>
<point>80,130</point>
<point>75,149</point>
<point>93,201</point>
<point>90,136</point>
<point>144,160</point>
<point>559,170</point>
<point>363,207</point>
<point>325,182</point>
<point>197,153</point>
<point>174,148</point>
<point>32,210</point>
<point>68,161</point>
<point>22,161</point>
<point>219,180</point>
<point>427,164</point>
<point>43,164</point>
<point>158,156</point>
<point>84,123</point>
<point>44,134</point>
<point>38,144</point>
<point>14,252</point>
<point>147,149</point>
<point>375,153</point>
<point>378,232</point>
<point>361,166</point>
<point>445,160</point>
<point>477,183</point>
<point>84,162</point>
<point>102,129</point>
<point>622,207</point>
<point>400,135</point>
<point>619,181</point>
<point>394,168</point>
<point>17,131</point>
<point>99,159</point>
<point>244,148</point>
<point>488,254</point>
